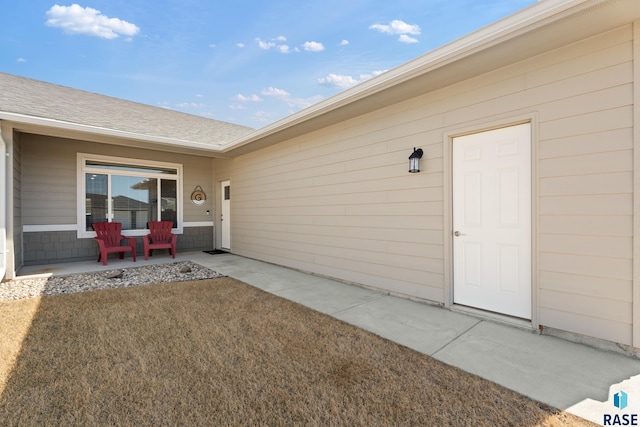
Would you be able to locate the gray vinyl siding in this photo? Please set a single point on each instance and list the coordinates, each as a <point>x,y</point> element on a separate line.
<point>51,247</point>
<point>49,187</point>
<point>48,181</point>
<point>340,202</point>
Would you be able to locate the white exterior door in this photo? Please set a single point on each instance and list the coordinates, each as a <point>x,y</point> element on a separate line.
<point>492,220</point>
<point>225,214</point>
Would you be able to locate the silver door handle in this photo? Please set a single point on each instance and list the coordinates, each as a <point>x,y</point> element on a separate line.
<point>458,234</point>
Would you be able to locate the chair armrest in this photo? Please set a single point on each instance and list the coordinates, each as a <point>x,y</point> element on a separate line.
<point>101,244</point>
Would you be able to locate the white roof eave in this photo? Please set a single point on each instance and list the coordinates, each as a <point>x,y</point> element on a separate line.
<point>36,124</point>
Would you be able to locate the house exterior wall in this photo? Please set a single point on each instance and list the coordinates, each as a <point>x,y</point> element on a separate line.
<point>222,172</point>
<point>17,199</point>
<point>339,201</point>
<point>49,193</point>
<point>50,247</point>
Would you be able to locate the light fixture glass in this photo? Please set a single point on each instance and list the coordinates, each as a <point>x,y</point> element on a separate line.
<point>414,160</point>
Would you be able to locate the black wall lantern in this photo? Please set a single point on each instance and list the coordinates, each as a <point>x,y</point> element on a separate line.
<point>414,160</point>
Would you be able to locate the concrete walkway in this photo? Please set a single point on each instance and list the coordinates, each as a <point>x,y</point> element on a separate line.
<point>569,376</point>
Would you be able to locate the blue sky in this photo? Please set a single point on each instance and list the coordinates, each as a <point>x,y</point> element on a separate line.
<point>246,62</point>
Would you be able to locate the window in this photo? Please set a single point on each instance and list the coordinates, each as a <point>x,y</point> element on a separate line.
<point>129,191</point>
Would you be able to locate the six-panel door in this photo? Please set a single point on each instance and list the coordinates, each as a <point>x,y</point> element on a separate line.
<point>492,220</point>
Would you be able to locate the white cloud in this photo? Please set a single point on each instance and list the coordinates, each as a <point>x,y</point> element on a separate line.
<point>199,95</point>
<point>262,116</point>
<point>407,39</point>
<point>190,105</point>
<point>240,45</point>
<point>313,46</point>
<point>21,60</point>
<point>344,81</point>
<point>212,46</point>
<point>250,98</point>
<point>338,80</point>
<point>75,19</point>
<point>344,43</point>
<point>286,97</point>
<point>265,45</point>
<point>397,27</point>
<point>272,91</point>
<point>364,77</point>
<point>301,103</point>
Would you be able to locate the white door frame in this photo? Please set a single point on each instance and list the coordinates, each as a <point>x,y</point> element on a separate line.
<point>449,135</point>
<point>225,217</point>
<point>5,166</point>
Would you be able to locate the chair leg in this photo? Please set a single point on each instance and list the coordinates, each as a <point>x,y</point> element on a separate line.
<point>104,258</point>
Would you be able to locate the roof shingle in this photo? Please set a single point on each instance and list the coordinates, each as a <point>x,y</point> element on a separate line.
<point>46,100</point>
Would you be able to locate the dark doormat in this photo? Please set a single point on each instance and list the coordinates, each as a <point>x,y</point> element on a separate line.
<point>215,252</point>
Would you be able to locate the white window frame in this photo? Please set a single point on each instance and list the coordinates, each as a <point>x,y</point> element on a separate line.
<point>83,169</point>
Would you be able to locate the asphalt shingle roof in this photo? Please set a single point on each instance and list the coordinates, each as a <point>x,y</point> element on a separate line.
<point>46,100</point>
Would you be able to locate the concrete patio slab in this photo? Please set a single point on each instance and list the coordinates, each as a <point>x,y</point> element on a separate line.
<point>419,326</point>
<point>545,368</point>
<point>329,297</point>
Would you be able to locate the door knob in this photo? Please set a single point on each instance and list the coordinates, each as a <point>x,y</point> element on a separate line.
<point>458,234</point>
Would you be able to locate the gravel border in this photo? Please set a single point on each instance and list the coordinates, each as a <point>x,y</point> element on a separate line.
<point>109,279</point>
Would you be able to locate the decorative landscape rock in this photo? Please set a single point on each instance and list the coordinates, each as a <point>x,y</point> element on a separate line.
<point>115,275</point>
<point>147,275</point>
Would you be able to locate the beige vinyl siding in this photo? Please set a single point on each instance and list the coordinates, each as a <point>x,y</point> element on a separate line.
<point>49,188</point>
<point>340,202</point>
<point>585,207</point>
<point>582,95</point>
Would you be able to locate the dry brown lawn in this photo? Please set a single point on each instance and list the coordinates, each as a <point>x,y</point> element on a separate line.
<point>220,352</point>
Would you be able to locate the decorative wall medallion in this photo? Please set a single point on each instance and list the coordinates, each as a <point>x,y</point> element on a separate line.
<point>198,197</point>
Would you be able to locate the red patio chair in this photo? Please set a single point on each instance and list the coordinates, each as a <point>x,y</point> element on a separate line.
<point>160,237</point>
<point>109,235</point>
